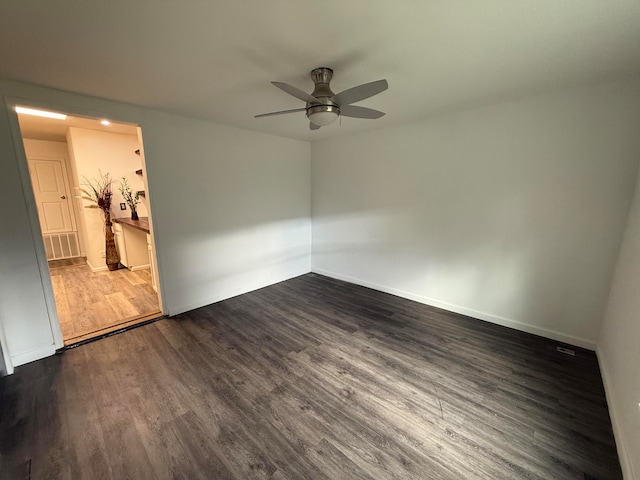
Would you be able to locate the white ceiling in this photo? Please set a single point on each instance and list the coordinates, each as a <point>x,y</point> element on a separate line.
<point>214,59</point>
<point>56,130</point>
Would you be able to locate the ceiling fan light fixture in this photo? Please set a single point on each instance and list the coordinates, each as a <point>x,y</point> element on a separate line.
<point>323,115</point>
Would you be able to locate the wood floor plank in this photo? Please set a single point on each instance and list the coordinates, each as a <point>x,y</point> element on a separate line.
<point>194,439</point>
<point>335,463</point>
<point>87,450</point>
<point>98,314</point>
<point>121,305</point>
<point>16,407</point>
<point>312,378</point>
<point>135,279</point>
<point>124,447</point>
<point>166,457</point>
<point>60,296</point>
<point>51,444</point>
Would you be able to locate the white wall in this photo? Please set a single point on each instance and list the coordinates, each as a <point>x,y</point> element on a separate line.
<point>231,211</point>
<point>511,213</point>
<point>235,209</point>
<point>93,151</point>
<point>618,350</point>
<point>46,148</point>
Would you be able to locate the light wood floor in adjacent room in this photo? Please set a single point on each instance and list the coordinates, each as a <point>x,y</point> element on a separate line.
<point>91,303</point>
<point>314,379</point>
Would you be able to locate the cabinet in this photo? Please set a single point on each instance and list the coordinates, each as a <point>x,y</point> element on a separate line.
<point>119,238</point>
<point>152,262</point>
<point>132,245</point>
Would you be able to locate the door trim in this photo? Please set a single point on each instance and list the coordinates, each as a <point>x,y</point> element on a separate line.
<point>6,358</point>
<point>34,224</point>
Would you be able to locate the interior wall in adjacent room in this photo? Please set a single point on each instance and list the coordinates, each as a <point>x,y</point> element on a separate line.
<point>511,213</point>
<point>96,153</point>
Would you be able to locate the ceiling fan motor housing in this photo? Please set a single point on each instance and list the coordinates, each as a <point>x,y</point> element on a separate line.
<point>321,78</point>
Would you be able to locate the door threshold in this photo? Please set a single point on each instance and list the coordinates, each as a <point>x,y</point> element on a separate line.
<point>112,330</point>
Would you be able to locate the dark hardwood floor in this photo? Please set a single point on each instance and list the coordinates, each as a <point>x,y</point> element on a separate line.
<point>311,378</point>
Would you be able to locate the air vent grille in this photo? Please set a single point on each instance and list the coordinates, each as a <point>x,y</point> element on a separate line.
<point>61,245</point>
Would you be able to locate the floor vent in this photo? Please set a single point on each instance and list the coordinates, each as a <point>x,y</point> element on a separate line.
<point>566,351</point>
<point>61,245</point>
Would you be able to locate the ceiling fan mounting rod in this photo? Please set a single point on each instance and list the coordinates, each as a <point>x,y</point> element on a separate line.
<point>321,75</point>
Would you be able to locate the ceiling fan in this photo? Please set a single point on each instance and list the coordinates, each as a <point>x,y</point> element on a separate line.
<point>324,107</point>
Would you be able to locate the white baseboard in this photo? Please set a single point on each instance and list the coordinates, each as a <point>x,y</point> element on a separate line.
<point>488,317</point>
<point>232,293</point>
<point>104,267</point>
<point>623,453</point>
<point>33,355</point>
<point>140,267</point>
<point>97,269</point>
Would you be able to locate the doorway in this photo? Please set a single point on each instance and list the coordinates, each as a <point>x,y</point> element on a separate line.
<point>65,155</point>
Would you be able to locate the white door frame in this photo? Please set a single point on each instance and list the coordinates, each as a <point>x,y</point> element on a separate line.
<point>6,358</point>
<point>34,224</point>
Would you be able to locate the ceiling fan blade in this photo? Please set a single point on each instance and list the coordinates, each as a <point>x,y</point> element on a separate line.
<point>313,126</point>
<point>296,92</point>
<point>355,94</point>
<point>281,112</point>
<point>360,112</point>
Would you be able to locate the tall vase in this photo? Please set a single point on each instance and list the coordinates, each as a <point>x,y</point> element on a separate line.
<point>111,253</point>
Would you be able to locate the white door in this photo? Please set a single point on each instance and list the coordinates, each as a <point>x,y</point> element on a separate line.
<point>51,189</point>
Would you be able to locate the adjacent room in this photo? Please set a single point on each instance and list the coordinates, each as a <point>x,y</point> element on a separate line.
<point>374,240</point>
<point>100,282</point>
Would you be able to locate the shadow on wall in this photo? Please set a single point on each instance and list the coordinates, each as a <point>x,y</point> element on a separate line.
<point>515,210</point>
<point>499,257</point>
<point>393,250</point>
<point>219,264</point>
